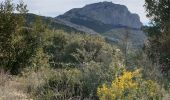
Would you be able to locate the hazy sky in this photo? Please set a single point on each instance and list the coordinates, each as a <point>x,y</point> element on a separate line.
<point>56,7</point>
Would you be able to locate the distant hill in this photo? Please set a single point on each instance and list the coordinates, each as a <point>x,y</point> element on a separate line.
<point>113,21</point>
<point>105,18</point>
<point>51,22</point>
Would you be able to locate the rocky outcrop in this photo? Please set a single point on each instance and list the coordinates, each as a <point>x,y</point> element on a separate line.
<point>102,17</point>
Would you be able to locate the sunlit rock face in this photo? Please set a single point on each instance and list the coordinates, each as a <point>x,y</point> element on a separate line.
<point>103,16</point>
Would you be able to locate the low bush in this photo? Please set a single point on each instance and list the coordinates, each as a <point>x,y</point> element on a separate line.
<point>70,83</point>
<point>129,86</point>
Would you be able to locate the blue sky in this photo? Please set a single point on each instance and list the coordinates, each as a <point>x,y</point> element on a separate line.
<point>56,7</point>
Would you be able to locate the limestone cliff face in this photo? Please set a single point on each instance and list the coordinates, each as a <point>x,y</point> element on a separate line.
<point>102,17</point>
<point>107,19</point>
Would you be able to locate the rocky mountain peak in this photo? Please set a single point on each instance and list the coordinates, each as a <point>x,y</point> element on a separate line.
<point>103,14</point>
<point>113,21</point>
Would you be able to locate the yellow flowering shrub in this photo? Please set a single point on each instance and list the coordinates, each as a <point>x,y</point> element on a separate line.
<point>129,86</point>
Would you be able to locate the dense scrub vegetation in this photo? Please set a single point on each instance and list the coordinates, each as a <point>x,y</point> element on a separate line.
<point>61,65</point>
<point>129,86</point>
<point>159,34</point>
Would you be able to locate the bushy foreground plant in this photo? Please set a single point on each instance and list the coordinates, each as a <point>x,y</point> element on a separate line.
<point>62,85</point>
<point>71,83</point>
<point>129,86</point>
<point>10,26</point>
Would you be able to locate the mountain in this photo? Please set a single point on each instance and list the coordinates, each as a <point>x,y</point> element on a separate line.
<point>112,21</point>
<point>102,17</point>
<point>107,19</point>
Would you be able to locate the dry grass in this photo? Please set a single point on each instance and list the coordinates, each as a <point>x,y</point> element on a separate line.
<point>9,88</point>
<point>22,88</point>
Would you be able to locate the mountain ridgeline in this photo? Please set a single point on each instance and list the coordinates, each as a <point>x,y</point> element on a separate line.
<point>102,17</point>
<point>113,21</point>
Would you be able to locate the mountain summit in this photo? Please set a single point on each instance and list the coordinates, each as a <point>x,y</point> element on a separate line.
<point>113,21</point>
<point>102,17</point>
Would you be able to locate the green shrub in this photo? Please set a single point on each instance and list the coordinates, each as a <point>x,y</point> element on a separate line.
<point>63,85</point>
<point>129,86</point>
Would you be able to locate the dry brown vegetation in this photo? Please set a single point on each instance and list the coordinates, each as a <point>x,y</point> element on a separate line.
<point>10,88</point>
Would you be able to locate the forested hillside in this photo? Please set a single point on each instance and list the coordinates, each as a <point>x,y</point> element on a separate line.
<point>41,59</point>
<point>50,22</point>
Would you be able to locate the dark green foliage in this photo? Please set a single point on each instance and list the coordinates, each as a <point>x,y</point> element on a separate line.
<point>18,44</point>
<point>10,25</point>
<point>158,11</point>
<point>26,45</point>
<point>158,49</point>
<point>78,49</point>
